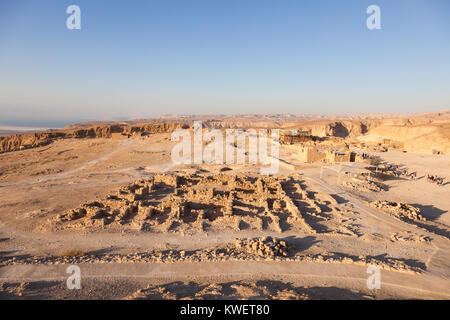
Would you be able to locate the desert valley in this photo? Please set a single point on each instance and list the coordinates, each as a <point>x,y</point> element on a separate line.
<point>350,193</point>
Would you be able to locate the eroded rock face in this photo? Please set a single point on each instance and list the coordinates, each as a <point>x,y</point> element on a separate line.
<point>39,139</point>
<point>400,210</point>
<point>337,129</point>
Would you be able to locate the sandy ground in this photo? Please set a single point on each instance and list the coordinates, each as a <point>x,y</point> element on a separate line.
<point>329,254</point>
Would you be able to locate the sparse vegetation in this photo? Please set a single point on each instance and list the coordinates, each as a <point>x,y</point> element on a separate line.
<point>72,253</point>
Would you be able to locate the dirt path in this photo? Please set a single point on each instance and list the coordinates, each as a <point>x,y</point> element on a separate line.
<point>437,263</point>
<point>307,273</point>
<point>67,174</point>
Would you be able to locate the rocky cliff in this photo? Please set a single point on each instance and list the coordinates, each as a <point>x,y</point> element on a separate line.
<point>416,134</point>
<point>38,139</point>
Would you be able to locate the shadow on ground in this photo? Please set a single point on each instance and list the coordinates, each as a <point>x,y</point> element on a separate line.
<point>430,212</point>
<point>249,290</point>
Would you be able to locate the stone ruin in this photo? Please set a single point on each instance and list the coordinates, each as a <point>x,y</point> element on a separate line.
<point>399,210</point>
<point>202,202</point>
<point>310,154</point>
<point>363,185</point>
<point>264,247</point>
<point>299,138</point>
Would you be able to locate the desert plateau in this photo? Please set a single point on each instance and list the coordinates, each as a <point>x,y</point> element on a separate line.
<point>350,193</point>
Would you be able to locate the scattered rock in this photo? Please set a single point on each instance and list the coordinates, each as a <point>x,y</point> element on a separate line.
<point>399,210</point>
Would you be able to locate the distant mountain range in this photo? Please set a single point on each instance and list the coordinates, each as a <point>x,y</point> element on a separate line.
<point>289,117</point>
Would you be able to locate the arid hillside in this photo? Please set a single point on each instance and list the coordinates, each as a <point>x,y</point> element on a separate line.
<point>423,133</point>
<point>39,139</point>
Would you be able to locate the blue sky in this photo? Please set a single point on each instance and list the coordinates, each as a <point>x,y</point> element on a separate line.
<point>140,59</point>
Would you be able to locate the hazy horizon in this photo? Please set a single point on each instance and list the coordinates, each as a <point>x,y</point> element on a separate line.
<point>23,125</point>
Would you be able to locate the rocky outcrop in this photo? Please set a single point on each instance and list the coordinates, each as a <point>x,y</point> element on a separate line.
<point>33,140</point>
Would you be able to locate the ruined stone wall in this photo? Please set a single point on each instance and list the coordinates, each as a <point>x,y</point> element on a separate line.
<point>295,139</point>
<point>333,157</point>
<point>313,154</point>
<point>310,154</point>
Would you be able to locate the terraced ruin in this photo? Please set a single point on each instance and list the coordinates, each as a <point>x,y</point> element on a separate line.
<point>193,203</point>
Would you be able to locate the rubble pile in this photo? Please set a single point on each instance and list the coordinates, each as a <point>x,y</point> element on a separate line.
<point>399,210</point>
<point>363,185</point>
<point>264,247</point>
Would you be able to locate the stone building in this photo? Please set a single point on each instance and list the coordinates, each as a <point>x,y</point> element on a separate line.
<point>312,154</point>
